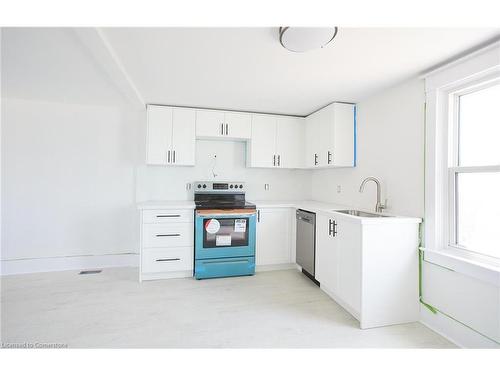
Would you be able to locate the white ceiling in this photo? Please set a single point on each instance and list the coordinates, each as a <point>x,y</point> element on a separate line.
<point>247,69</point>
<point>228,68</point>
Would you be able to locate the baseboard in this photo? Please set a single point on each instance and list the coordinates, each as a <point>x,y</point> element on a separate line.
<point>455,331</point>
<point>35,265</point>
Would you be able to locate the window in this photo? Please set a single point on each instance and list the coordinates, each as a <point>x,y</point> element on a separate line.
<point>474,169</point>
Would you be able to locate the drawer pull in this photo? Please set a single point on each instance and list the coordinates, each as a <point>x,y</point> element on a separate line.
<point>168,235</point>
<point>168,215</point>
<point>167,259</point>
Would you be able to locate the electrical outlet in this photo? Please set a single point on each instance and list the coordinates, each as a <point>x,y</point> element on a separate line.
<point>339,189</point>
<point>188,186</point>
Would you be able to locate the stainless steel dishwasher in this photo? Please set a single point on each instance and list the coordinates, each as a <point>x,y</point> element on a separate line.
<point>306,242</point>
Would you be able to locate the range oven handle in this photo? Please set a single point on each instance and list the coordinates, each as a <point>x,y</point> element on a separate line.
<point>225,261</point>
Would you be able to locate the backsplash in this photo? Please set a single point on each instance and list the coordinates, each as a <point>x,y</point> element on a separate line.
<point>169,183</point>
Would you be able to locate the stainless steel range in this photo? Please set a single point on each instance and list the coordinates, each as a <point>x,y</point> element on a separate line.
<point>224,230</point>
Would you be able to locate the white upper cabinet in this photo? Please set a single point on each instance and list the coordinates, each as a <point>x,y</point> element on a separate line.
<point>170,136</point>
<point>323,139</point>
<point>159,134</point>
<point>275,142</point>
<point>219,124</point>
<point>210,124</point>
<point>183,136</point>
<point>330,137</point>
<point>238,125</point>
<point>289,141</point>
<point>313,140</point>
<point>261,150</point>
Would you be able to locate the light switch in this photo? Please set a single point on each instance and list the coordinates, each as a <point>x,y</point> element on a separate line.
<point>188,186</point>
<point>266,186</point>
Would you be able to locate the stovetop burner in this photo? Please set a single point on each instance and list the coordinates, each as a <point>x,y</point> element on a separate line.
<point>220,195</point>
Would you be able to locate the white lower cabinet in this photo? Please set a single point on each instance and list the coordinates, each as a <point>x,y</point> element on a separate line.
<point>167,259</point>
<point>369,268</point>
<point>326,259</point>
<point>274,236</point>
<point>166,244</point>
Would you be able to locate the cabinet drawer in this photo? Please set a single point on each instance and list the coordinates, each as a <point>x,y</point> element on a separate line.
<point>167,216</point>
<point>167,260</point>
<point>167,235</point>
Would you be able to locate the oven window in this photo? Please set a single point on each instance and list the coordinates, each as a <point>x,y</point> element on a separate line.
<point>230,232</point>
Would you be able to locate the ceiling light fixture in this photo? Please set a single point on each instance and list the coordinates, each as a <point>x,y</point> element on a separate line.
<point>302,39</point>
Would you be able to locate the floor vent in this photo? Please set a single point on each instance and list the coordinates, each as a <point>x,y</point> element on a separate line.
<point>89,272</point>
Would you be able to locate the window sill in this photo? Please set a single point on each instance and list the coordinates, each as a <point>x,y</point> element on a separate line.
<point>469,265</point>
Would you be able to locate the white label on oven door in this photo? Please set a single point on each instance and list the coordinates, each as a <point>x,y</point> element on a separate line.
<point>223,240</point>
<point>240,225</point>
<point>212,226</point>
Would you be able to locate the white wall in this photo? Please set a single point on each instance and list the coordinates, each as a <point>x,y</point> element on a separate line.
<point>68,174</point>
<point>390,146</point>
<point>158,183</point>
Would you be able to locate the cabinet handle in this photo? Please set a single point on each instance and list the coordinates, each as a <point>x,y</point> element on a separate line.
<point>334,228</point>
<point>167,259</point>
<point>258,216</point>
<point>168,235</point>
<point>329,157</point>
<point>168,215</point>
<point>315,159</point>
<point>168,156</point>
<point>222,128</point>
<point>279,162</point>
<point>173,157</point>
<point>330,229</point>
<point>274,160</point>
<point>227,129</point>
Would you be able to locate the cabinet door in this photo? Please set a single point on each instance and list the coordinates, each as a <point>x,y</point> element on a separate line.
<point>325,131</point>
<point>349,261</point>
<point>342,135</point>
<point>159,134</point>
<point>312,140</point>
<point>210,124</point>
<point>238,125</point>
<point>262,145</point>
<point>326,262</point>
<point>273,236</point>
<point>183,136</point>
<point>289,141</point>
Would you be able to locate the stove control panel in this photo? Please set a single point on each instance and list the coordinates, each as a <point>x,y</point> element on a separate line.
<point>219,186</point>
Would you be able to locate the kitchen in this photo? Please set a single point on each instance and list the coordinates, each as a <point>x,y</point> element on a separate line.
<point>296,207</point>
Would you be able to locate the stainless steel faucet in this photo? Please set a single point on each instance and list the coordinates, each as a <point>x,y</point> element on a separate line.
<point>379,206</point>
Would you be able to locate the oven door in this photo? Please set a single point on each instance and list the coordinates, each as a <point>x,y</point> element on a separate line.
<point>224,235</point>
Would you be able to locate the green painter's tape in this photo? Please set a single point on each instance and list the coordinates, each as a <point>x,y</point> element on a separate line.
<point>420,260</point>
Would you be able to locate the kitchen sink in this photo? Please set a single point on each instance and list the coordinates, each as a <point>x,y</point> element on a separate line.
<point>360,213</point>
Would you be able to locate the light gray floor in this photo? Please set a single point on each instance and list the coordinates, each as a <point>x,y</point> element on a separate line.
<point>112,309</point>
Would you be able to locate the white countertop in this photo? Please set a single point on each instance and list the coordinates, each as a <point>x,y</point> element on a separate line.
<point>329,208</point>
<point>313,206</point>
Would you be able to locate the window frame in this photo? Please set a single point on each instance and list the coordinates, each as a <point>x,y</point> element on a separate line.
<point>453,163</point>
<point>467,73</point>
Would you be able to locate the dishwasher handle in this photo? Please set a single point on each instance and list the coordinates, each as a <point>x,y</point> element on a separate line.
<point>305,216</point>
<point>302,218</point>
